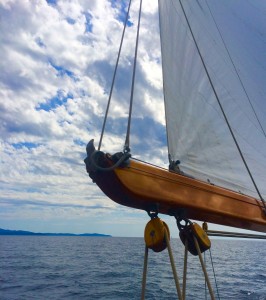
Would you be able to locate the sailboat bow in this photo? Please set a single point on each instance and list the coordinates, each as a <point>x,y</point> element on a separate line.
<point>212,126</point>
<point>140,185</point>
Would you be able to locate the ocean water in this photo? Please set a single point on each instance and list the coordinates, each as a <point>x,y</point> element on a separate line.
<point>35,267</point>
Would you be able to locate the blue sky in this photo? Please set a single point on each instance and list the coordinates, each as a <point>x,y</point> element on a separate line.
<point>57,62</point>
<point>56,69</point>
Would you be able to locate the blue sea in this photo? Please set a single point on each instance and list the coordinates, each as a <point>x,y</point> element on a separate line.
<point>42,267</point>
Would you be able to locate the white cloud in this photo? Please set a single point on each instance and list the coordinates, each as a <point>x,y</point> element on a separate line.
<point>56,70</point>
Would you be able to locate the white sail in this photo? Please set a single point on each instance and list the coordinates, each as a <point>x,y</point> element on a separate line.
<point>198,135</point>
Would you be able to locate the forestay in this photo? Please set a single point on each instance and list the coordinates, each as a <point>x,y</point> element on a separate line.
<point>197,132</point>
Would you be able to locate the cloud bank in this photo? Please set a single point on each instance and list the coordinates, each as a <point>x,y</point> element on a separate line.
<point>57,63</point>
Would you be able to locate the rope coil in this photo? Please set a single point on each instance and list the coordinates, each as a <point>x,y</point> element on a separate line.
<point>124,157</point>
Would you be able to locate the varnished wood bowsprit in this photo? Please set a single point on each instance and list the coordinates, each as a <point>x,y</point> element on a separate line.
<point>143,186</point>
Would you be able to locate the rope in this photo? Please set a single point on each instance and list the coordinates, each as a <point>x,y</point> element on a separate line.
<point>205,285</point>
<point>123,158</point>
<point>237,73</point>
<point>144,276</point>
<point>204,268</point>
<point>214,274</point>
<point>126,147</point>
<point>221,107</point>
<point>207,281</point>
<point>114,76</point>
<point>185,270</point>
<point>178,289</point>
<point>145,267</point>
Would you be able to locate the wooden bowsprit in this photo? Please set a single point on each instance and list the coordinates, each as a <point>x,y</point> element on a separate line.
<point>144,186</point>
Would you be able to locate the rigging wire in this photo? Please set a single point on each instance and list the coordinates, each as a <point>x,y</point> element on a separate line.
<point>164,89</point>
<point>114,76</point>
<point>205,285</point>
<point>236,234</point>
<point>214,274</point>
<point>126,147</point>
<point>234,66</point>
<point>222,110</point>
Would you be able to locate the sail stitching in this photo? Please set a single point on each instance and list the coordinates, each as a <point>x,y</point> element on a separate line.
<point>223,112</point>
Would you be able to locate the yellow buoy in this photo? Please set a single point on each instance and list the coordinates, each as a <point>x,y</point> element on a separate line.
<point>154,234</point>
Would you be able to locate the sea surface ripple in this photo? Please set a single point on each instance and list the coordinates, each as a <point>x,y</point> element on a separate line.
<point>36,267</point>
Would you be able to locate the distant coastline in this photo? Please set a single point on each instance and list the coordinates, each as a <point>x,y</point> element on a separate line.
<point>22,232</point>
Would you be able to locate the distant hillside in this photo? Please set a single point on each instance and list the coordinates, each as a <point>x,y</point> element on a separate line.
<point>22,232</point>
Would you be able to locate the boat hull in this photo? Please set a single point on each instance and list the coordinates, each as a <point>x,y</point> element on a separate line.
<point>144,186</point>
